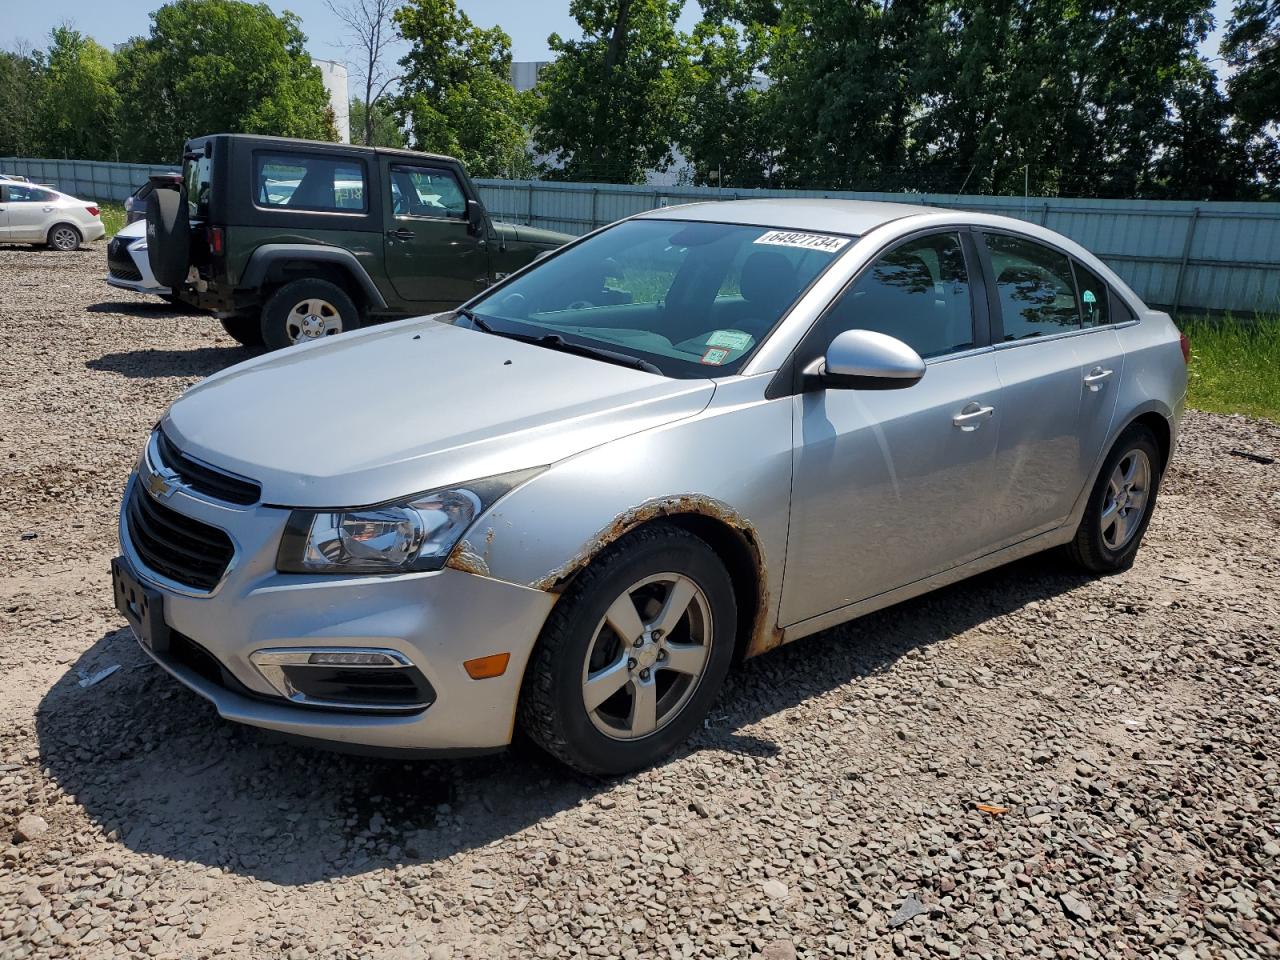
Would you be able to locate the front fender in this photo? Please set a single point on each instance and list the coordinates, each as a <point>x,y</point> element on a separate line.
<point>732,462</point>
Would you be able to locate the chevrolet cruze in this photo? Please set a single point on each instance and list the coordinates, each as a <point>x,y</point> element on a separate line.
<point>687,438</point>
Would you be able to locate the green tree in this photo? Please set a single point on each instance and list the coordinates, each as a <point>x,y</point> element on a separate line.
<point>78,102</point>
<point>612,103</point>
<point>377,127</point>
<point>455,95</point>
<point>1252,46</point>
<point>22,81</point>
<point>212,66</point>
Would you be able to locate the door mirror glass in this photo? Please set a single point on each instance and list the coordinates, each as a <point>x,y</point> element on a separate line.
<point>475,216</point>
<point>867,360</point>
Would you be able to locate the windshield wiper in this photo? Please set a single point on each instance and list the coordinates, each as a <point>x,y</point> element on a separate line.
<point>554,341</point>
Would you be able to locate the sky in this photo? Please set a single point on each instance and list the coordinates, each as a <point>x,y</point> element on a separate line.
<point>529,22</point>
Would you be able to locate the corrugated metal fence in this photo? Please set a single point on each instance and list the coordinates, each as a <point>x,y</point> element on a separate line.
<point>1183,254</point>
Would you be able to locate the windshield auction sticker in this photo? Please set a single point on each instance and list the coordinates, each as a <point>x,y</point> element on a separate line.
<point>805,241</point>
<point>733,339</point>
<point>715,356</point>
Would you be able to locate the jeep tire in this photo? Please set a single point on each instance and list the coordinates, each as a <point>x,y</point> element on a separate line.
<point>305,310</point>
<point>169,237</point>
<point>244,330</point>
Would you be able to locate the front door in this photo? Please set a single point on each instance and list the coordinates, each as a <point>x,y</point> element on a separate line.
<point>434,260</point>
<point>891,486</point>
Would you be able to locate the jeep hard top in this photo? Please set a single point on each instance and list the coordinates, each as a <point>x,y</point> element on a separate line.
<point>288,240</point>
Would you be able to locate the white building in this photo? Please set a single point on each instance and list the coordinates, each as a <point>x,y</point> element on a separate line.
<point>335,81</point>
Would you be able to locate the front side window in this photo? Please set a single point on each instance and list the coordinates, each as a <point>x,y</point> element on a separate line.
<point>917,292</point>
<point>693,299</point>
<point>1035,286</point>
<point>299,181</point>
<point>426,192</point>
<point>1095,299</point>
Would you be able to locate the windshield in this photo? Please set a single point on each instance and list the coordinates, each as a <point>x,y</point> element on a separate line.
<point>693,299</point>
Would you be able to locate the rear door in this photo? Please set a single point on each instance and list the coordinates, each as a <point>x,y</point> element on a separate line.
<point>891,486</point>
<point>30,210</point>
<point>434,260</point>
<point>1058,378</point>
<point>4,213</point>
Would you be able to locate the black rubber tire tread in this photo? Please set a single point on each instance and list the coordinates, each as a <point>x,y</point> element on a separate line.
<point>48,237</point>
<point>1087,549</point>
<point>246,331</point>
<point>169,237</point>
<point>542,713</point>
<point>274,312</point>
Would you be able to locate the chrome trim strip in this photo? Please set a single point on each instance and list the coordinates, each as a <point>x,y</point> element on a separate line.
<point>271,661</point>
<point>1063,335</point>
<point>155,462</point>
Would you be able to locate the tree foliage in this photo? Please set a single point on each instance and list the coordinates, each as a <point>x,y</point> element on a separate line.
<point>371,28</point>
<point>456,96</point>
<point>78,102</point>
<point>613,102</point>
<point>212,66</point>
<point>22,83</point>
<point>378,127</point>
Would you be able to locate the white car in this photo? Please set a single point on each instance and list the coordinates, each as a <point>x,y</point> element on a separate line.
<point>128,266</point>
<point>33,214</point>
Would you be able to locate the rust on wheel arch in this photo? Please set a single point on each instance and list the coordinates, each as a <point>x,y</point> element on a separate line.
<point>764,635</point>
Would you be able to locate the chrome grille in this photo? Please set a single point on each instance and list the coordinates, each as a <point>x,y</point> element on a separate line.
<point>174,545</point>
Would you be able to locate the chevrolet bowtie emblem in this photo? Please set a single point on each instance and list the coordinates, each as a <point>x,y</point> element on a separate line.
<point>160,486</point>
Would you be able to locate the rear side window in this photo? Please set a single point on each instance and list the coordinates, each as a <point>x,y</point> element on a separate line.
<point>299,181</point>
<point>20,193</point>
<point>1035,285</point>
<point>918,292</point>
<point>1095,299</point>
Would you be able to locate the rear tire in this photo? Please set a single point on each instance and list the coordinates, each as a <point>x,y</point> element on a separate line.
<point>1120,504</point>
<point>650,690</point>
<point>305,310</point>
<point>246,331</point>
<point>63,237</point>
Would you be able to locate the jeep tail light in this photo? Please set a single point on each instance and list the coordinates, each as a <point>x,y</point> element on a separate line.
<point>1185,342</point>
<point>93,211</point>
<point>215,241</point>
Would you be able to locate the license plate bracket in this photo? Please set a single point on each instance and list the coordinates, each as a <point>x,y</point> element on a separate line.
<point>141,606</point>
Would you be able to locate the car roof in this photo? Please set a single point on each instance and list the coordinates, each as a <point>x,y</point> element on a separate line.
<point>854,217</point>
<point>327,145</point>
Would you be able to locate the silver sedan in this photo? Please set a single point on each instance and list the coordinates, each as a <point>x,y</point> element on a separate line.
<point>689,437</point>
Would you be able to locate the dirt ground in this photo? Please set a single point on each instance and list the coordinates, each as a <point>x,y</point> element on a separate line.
<point>829,808</point>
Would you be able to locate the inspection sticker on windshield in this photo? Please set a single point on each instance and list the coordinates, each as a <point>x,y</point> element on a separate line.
<point>805,241</point>
<point>715,356</point>
<point>733,339</point>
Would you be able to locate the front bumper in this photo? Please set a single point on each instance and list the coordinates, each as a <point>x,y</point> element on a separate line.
<point>437,620</point>
<point>138,286</point>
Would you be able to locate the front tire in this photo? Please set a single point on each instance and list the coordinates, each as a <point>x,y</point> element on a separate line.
<point>633,655</point>
<point>306,310</point>
<point>63,237</point>
<point>1120,504</point>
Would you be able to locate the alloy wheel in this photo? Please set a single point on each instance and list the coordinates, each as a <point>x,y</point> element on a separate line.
<point>1125,499</point>
<point>647,657</point>
<point>312,319</point>
<point>64,238</point>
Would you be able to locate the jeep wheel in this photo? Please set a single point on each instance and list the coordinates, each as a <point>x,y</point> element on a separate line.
<point>169,236</point>
<point>306,310</point>
<point>246,331</point>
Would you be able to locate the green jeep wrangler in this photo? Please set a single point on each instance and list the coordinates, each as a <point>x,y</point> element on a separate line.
<point>289,240</point>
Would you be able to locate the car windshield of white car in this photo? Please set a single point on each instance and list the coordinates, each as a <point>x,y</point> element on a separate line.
<point>693,299</point>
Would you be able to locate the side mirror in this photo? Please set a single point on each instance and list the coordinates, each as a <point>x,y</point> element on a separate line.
<point>475,217</point>
<point>866,360</point>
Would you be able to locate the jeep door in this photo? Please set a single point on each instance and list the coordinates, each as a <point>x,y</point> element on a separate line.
<point>434,259</point>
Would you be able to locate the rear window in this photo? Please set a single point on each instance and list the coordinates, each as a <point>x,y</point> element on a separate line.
<point>198,174</point>
<point>299,181</point>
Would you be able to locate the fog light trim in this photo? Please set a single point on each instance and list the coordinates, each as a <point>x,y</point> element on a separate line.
<point>275,664</point>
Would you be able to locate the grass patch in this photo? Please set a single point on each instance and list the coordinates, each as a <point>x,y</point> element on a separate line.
<point>112,216</point>
<point>1235,364</point>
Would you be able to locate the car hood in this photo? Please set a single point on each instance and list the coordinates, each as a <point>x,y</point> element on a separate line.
<point>379,414</point>
<point>133,231</point>
<point>549,238</point>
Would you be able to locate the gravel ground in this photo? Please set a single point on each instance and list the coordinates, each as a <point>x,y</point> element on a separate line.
<point>1122,733</point>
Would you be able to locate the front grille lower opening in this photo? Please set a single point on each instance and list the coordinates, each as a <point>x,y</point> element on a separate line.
<point>174,545</point>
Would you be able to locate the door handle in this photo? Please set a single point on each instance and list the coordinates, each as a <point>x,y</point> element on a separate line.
<point>1094,378</point>
<point>402,234</point>
<point>971,417</point>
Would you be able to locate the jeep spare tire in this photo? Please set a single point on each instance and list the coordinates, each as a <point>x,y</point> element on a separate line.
<point>168,234</point>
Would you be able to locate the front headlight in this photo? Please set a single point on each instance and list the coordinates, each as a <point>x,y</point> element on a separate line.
<point>413,534</point>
